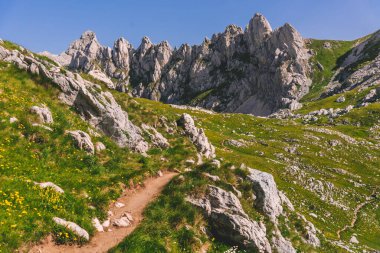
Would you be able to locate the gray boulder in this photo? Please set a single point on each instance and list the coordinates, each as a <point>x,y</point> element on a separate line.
<point>267,195</point>
<point>229,221</point>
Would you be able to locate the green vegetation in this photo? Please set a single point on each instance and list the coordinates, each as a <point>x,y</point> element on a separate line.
<point>328,58</point>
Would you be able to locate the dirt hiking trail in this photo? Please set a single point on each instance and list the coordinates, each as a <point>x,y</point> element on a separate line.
<point>135,201</point>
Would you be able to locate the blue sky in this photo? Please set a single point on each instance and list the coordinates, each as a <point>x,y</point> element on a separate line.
<point>52,24</point>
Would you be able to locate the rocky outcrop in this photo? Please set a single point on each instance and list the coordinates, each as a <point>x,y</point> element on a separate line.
<point>72,227</point>
<point>95,106</point>
<point>43,113</point>
<point>267,195</point>
<point>82,140</point>
<point>311,234</point>
<point>372,96</point>
<point>229,221</point>
<point>157,138</point>
<point>197,136</point>
<point>256,71</point>
<point>281,244</point>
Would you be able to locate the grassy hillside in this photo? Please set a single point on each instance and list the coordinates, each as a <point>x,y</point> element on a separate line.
<point>328,57</point>
<point>31,154</point>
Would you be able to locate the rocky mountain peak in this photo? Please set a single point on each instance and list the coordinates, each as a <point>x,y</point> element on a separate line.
<point>233,29</point>
<point>252,71</point>
<point>88,35</point>
<point>258,29</point>
<point>87,43</point>
<point>145,44</point>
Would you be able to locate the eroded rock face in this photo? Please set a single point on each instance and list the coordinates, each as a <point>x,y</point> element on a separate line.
<point>230,222</point>
<point>95,106</point>
<point>267,195</point>
<point>197,136</point>
<point>82,140</point>
<point>255,71</point>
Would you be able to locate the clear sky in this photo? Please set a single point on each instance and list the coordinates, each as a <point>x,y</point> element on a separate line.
<point>52,24</point>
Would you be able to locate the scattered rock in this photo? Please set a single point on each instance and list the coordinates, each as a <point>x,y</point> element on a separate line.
<point>212,177</point>
<point>72,227</point>
<point>334,143</point>
<point>327,45</point>
<point>129,216</point>
<point>106,223</point>
<point>122,222</point>
<point>96,223</point>
<point>13,120</point>
<point>354,240</point>
<point>340,99</point>
<point>99,146</point>
<point>50,185</point>
<point>216,163</point>
<point>235,143</point>
<point>197,136</point>
<point>44,114</point>
<point>119,205</point>
<point>190,162</point>
<point>83,141</point>
<point>43,126</point>
<point>159,173</point>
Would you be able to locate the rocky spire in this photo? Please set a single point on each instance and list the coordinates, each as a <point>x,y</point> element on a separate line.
<point>88,43</point>
<point>145,45</point>
<point>121,53</point>
<point>258,29</point>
